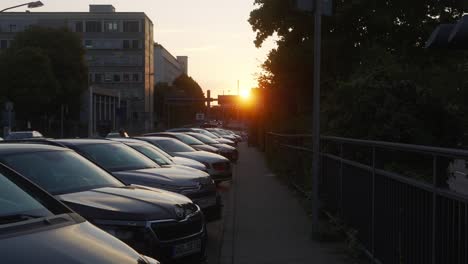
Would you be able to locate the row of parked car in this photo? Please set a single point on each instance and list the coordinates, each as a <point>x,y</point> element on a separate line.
<point>103,200</point>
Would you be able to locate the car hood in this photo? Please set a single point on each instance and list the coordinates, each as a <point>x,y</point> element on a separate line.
<point>225,141</point>
<point>205,148</point>
<point>125,203</point>
<point>74,244</point>
<point>225,147</point>
<point>189,163</point>
<point>172,176</point>
<point>202,156</point>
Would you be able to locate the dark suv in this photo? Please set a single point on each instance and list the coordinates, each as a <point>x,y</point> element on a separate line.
<point>154,222</point>
<point>36,228</point>
<point>133,167</point>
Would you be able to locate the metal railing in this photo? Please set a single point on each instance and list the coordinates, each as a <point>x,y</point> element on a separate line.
<point>397,197</point>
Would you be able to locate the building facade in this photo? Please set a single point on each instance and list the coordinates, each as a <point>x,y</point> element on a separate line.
<point>120,54</point>
<point>168,67</point>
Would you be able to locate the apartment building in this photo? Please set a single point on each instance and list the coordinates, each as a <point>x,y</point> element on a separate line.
<point>120,55</point>
<point>168,66</point>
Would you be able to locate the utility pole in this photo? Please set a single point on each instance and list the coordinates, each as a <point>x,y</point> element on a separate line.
<point>316,116</point>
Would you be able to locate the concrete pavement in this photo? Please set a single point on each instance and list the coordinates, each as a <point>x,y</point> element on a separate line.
<point>263,222</point>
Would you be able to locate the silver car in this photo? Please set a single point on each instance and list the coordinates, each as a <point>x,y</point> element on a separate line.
<point>217,166</point>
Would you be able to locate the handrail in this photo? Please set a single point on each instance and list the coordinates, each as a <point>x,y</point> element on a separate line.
<point>401,146</point>
<point>440,151</point>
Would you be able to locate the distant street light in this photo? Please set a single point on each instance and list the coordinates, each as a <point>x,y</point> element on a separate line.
<point>29,5</point>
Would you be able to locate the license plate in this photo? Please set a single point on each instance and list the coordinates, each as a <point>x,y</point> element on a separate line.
<point>186,249</point>
<point>206,202</point>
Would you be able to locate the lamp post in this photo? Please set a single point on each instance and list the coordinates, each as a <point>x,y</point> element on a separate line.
<point>318,8</point>
<point>29,5</point>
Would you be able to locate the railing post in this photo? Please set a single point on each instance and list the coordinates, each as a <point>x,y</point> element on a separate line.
<point>340,183</point>
<point>434,207</point>
<point>373,207</point>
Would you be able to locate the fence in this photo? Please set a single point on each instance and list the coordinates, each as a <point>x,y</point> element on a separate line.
<point>399,198</point>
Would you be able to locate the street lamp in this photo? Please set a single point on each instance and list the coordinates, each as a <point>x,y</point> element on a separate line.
<point>29,5</point>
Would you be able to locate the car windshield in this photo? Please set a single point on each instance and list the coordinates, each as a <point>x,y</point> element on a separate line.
<point>203,138</point>
<point>207,133</point>
<point>116,157</point>
<point>220,132</point>
<point>189,140</point>
<point>60,172</point>
<point>18,205</point>
<point>172,146</point>
<point>152,153</point>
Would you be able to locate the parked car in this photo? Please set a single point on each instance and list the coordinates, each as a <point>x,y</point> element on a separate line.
<point>218,166</point>
<point>206,133</point>
<point>224,149</point>
<point>132,167</point>
<point>191,141</point>
<point>204,198</point>
<point>155,154</point>
<point>18,135</point>
<point>36,228</point>
<point>222,133</point>
<point>174,160</point>
<point>154,222</point>
<point>230,132</point>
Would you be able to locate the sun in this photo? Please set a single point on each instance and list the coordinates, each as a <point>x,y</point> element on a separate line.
<point>245,95</point>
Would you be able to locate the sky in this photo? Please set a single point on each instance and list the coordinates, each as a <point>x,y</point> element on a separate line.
<point>214,34</point>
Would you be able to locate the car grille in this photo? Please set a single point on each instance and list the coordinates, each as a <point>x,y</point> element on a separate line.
<point>167,231</point>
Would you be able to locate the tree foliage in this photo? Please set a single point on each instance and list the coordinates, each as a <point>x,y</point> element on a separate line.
<point>28,81</point>
<point>378,80</point>
<point>59,55</point>
<point>175,113</point>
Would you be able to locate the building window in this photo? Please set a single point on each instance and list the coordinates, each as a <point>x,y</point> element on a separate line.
<point>131,26</point>
<point>116,77</point>
<point>93,26</point>
<point>88,43</point>
<point>135,44</point>
<point>79,26</point>
<point>90,80</point>
<point>108,77</point>
<point>111,26</point>
<point>126,44</point>
<point>98,78</point>
<point>126,77</point>
<point>3,44</point>
<point>12,28</point>
<point>136,77</point>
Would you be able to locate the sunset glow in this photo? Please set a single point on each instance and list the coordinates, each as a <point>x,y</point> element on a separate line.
<point>245,95</point>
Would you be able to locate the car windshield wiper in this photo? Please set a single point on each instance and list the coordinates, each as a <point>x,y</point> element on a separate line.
<point>8,219</point>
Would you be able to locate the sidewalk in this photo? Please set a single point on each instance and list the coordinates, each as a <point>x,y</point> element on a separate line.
<point>264,223</point>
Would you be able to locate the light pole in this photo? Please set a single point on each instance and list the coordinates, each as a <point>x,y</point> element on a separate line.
<point>29,5</point>
<point>319,8</point>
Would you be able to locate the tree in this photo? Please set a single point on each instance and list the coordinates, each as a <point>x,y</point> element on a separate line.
<point>180,112</point>
<point>29,82</point>
<point>67,58</point>
<point>372,50</point>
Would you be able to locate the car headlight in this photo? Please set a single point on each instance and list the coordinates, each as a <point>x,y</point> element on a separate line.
<point>149,260</point>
